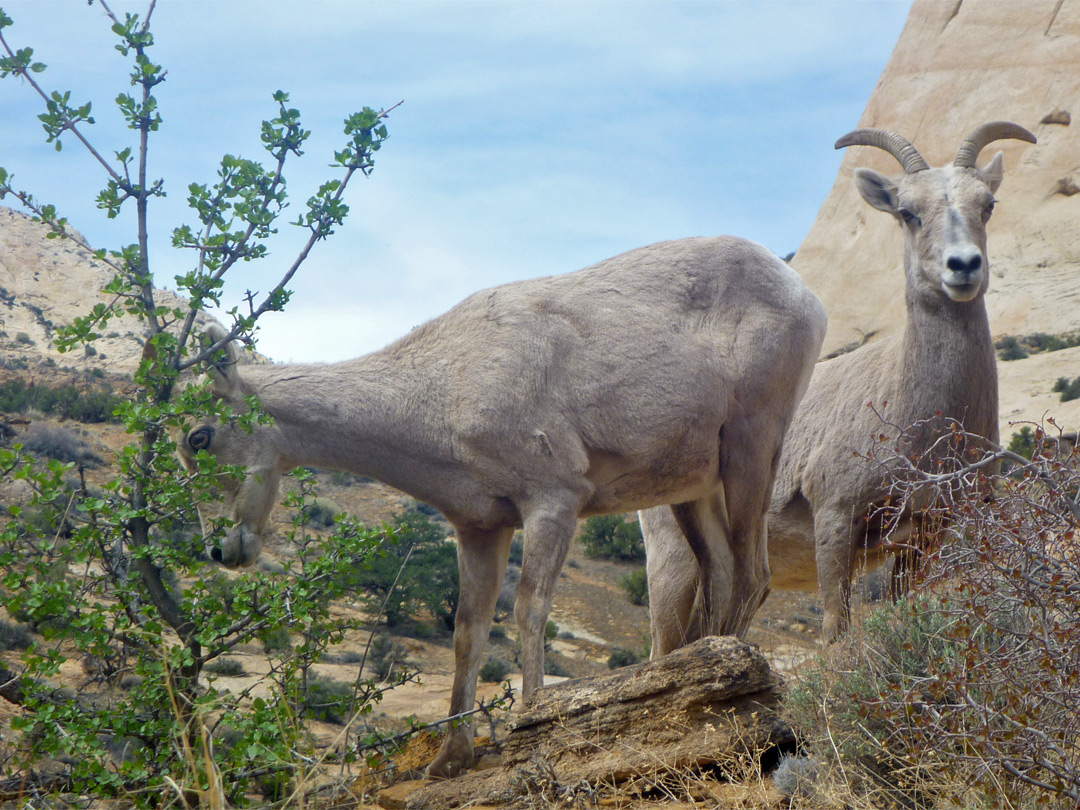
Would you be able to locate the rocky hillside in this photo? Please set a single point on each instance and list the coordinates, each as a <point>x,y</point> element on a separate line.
<point>958,64</point>
<point>45,283</point>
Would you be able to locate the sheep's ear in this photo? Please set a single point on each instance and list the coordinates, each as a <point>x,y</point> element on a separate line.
<point>878,190</point>
<point>223,373</point>
<point>993,171</point>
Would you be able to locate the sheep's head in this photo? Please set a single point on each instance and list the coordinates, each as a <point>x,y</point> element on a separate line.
<point>246,503</point>
<point>943,211</point>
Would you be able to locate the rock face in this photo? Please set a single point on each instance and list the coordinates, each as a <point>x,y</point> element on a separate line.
<point>698,706</point>
<point>958,64</point>
<point>45,283</point>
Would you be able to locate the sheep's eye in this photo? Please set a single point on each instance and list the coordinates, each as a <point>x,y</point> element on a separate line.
<point>909,217</point>
<point>988,210</point>
<point>200,438</point>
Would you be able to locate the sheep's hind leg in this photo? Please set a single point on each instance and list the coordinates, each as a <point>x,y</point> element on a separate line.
<point>704,524</point>
<point>834,546</point>
<point>749,453</point>
<point>548,532</point>
<point>482,557</point>
<point>675,612</point>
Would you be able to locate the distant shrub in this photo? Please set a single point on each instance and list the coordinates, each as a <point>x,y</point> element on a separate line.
<point>636,586</point>
<point>61,444</point>
<point>1009,348</point>
<point>385,654</point>
<point>23,339</point>
<point>14,636</point>
<point>622,657</point>
<point>1012,347</point>
<point>275,639</point>
<point>508,595</point>
<point>552,666</point>
<point>612,537</point>
<point>227,667</point>
<point>66,401</point>
<point>327,700</point>
<point>1068,390</point>
<point>494,670</point>
<point>517,549</point>
<point>1023,443</point>
<point>322,513</point>
<point>415,570</point>
<point>551,632</point>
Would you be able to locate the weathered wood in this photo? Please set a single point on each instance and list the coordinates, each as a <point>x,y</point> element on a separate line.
<point>701,705</point>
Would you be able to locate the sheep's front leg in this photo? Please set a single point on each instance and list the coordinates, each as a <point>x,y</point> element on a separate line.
<point>482,557</point>
<point>549,528</point>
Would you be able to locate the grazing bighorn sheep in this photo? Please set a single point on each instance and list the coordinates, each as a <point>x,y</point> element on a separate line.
<point>943,363</point>
<point>668,374</point>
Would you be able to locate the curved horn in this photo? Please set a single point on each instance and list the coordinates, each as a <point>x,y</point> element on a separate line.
<point>897,146</point>
<point>994,131</point>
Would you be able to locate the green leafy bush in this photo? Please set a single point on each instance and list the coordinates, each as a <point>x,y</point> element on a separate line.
<point>416,569</point>
<point>636,586</point>
<point>1068,390</point>
<point>107,587</point>
<point>323,513</point>
<point>65,401</point>
<point>327,700</point>
<point>385,655</point>
<point>622,657</point>
<point>1013,347</point>
<point>495,670</point>
<point>612,537</point>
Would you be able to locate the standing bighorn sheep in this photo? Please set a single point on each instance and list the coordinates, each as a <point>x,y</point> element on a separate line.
<point>943,363</point>
<point>666,375</point>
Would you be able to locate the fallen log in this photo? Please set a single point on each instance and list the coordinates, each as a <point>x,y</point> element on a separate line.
<point>702,706</point>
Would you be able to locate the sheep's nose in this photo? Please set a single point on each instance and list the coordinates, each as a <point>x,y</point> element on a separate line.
<point>965,262</point>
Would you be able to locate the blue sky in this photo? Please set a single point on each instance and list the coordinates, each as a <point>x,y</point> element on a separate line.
<point>535,137</point>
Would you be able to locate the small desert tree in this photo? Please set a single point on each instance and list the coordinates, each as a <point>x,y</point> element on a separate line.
<point>612,537</point>
<point>118,588</point>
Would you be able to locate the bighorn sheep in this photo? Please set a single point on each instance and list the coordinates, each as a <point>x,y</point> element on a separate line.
<point>942,363</point>
<point>668,374</point>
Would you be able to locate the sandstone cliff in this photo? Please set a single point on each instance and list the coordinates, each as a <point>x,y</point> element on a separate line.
<point>45,283</point>
<point>958,64</point>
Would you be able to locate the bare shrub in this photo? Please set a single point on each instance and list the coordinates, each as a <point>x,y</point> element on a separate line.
<point>972,684</point>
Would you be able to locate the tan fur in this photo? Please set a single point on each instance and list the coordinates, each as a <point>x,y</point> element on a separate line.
<point>819,533</point>
<point>665,375</point>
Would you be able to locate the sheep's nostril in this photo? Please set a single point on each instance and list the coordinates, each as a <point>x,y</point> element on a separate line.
<point>216,555</point>
<point>964,264</point>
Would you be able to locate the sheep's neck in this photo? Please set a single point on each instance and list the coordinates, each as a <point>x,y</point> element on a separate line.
<point>947,347</point>
<point>356,417</point>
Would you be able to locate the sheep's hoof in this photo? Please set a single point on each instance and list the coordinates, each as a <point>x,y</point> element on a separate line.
<point>454,758</point>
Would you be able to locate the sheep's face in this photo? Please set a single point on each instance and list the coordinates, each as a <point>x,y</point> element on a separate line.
<point>246,502</point>
<point>943,213</point>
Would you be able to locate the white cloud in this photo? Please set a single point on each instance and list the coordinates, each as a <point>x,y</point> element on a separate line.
<point>536,137</point>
